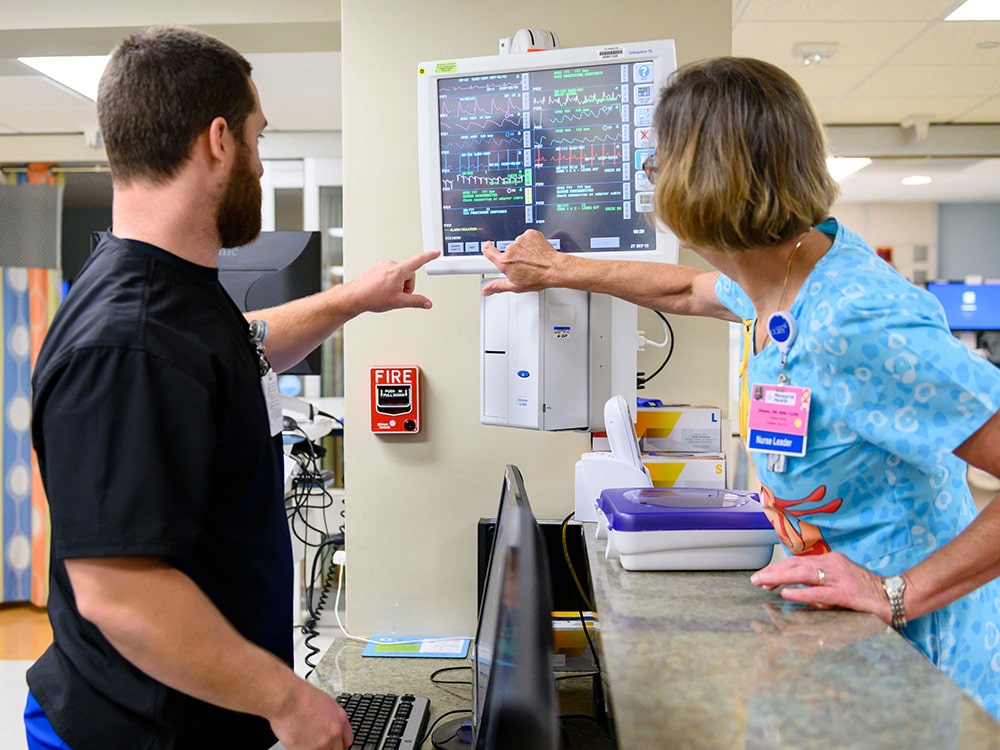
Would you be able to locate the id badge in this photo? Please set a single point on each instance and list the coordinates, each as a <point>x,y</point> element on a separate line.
<point>779,419</point>
<point>269,385</point>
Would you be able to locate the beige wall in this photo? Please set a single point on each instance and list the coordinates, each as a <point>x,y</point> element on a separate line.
<point>413,501</point>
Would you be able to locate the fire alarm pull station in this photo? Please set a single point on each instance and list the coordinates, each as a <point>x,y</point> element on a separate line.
<point>395,400</point>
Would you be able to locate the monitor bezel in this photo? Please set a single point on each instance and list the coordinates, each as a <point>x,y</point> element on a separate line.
<point>660,52</point>
<point>527,714</point>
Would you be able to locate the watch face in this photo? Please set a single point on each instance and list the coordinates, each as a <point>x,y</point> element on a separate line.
<point>894,584</point>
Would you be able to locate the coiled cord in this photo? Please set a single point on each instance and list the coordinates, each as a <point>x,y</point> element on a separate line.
<point>315,612</point>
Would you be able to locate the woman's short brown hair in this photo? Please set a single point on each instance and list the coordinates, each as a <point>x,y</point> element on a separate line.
<point>741,156</point>
<point>162,87</point>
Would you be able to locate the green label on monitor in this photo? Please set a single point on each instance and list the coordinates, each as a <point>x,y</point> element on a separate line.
<point>445,67</point>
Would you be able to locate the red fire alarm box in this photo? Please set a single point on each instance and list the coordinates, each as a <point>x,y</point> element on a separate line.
<point>395,400</point>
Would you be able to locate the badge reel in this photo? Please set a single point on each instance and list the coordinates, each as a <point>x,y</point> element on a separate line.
<point>782,329</point>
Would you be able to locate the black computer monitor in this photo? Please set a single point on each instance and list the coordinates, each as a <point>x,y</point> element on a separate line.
<point>514,697</point>
<point>275,268</point>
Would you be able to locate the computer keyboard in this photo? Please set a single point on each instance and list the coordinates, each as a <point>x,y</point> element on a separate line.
<point>385,721</point>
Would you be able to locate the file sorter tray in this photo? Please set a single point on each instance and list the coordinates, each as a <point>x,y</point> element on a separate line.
<point>685,528</point>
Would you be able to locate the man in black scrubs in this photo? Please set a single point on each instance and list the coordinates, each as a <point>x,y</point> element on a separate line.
<point>171,562</point>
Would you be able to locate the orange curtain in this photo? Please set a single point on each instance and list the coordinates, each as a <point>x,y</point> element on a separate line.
<point>43,289</point>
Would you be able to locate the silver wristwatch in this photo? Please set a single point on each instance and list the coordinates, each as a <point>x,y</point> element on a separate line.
<point>894,587</point>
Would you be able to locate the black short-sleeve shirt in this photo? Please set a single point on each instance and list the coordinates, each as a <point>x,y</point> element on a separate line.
<point>152,439</point>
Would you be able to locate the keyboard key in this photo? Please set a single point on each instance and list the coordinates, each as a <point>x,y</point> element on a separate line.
<point>385,721</point>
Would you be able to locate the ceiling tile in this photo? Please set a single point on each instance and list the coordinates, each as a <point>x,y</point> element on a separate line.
<point>860,10</point>
<point>299,91</point>
<point>988,111</point>
<point>926,81</point>
<point>953,44</point>
<point>32,104</point>
<point>857,43</point>
<point>827,82</point>
<point>859,110</point>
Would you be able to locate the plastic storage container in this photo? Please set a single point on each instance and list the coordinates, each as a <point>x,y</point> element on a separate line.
<point>685,528</point>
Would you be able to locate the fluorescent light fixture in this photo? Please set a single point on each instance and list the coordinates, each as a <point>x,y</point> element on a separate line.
<point>80,74</point>
<point>916,179</point>
<point>976,10</point>
<point>841,167</point>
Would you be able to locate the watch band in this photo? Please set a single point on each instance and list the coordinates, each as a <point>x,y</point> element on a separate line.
<point>894,587</point>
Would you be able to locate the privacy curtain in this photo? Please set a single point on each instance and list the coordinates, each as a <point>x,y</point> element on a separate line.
<point>28,299</point>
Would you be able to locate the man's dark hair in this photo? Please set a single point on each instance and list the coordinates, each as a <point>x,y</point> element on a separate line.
<point>162,87</point>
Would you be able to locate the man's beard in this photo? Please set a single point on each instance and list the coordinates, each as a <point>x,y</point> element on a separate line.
<point>238,215</point>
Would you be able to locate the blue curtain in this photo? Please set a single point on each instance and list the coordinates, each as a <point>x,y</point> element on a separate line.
<point>28,298</point>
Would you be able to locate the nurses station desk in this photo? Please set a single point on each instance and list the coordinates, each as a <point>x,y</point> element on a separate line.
<point>707,661</point>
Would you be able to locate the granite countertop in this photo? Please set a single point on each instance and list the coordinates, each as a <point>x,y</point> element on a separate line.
<point>707,660</point>
<point>343,669</point>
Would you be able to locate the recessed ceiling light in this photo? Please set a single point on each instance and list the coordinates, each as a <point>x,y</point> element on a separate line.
<point>916,179</point>
<point>976,10</point>
<point>841,167</point>
<point>813,53</point>
<point>80,74</point>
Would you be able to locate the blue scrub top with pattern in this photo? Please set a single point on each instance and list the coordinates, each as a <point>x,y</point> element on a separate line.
<point>893,394</point>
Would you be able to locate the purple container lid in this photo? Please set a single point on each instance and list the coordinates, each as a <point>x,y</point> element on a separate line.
<point>681,509</point>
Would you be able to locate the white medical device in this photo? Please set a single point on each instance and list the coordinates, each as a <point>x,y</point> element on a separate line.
<point>551,359</point>
<point>553,140</point>
<point>620,467</point>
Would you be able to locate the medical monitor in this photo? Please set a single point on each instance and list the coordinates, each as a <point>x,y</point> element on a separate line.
<point>513,686</point>
<point>552,140</point>
<point>968,307</point>
<point>275,268</point>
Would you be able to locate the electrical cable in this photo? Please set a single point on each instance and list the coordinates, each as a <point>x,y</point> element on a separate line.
<point>336,613</point>
<point>666,333</point>
<point>668,329</point>
<point>315,612</point>
<point>569,564</point>
<point>436,672</point>
<point>338,420</point>
<point>430,729</point>
<point>307,486</point>
<point>577,676</point>
<point>583,600</point>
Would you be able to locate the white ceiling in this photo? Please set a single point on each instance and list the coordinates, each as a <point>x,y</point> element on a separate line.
<point>895,59</point>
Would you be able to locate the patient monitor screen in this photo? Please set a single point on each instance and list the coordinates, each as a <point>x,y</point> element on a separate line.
<point>553,141</point>
<point>559,150</point>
